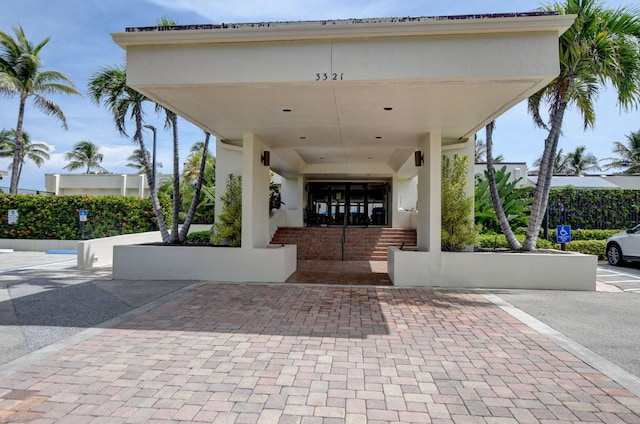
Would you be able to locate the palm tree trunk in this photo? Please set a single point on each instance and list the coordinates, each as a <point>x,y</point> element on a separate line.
<point>17,154</point>
<point>153,193</point>
<point>176,180</point>
<point>196,195</point>
<point>543,186</point>
<point>495,197</point>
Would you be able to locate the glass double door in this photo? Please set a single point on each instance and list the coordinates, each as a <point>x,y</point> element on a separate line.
<point>347,204</point>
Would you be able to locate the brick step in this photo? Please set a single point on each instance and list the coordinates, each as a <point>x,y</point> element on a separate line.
<point>361,244</point>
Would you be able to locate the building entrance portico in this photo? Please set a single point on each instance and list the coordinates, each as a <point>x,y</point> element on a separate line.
<point>354,115</point>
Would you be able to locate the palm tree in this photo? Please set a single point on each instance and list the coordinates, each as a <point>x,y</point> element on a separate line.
<point>502,217</point>
<point>36,152</point>
<point>579,161</point>
<point>171,122</point>
<point>601,47</point>
<point>21,75</point>
<point>137,162</point>
<point>85,154</point>
<point>195,200</point>
<point>109,88</point>
<point>628,155</point>
<point>560,164</point>
<point>481,152</point>
<point>191,169</point>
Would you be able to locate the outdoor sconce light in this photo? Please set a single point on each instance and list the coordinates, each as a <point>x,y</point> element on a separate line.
<point>418,157</point>
<point>266,158</point>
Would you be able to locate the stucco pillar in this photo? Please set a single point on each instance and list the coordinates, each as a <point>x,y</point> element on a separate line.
<point>141,185</point>
<point>56,184</point>
<point>255,194</point>
<point>403,203</point>
<point>123,185</point>
<point>292,191</point>
<point>429,220</point>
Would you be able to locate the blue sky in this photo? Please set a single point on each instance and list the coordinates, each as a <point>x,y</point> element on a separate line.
<point>81,44</point>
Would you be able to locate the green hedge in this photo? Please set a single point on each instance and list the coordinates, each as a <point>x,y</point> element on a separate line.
<point>589,247</point>
<point>499,241</point>
<point>203,237</point>
<point>57,217</point>
<point>594,208</point>
<point>586,234</point>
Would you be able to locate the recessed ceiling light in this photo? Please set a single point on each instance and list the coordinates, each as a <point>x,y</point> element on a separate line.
<point>388,108</point>
<point>286,110</point>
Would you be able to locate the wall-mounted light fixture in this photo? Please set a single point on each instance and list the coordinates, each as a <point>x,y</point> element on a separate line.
<point>266,158</point>
<point>418,158</point>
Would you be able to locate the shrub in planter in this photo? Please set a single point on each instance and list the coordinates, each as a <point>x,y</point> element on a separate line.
<point>588,247</point>
<point>201,237</point>
<point>581,234</point>
<point>458,229</point>
<point>228,229</point>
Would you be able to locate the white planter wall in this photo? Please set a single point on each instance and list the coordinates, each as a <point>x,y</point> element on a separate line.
<point>493,270</point>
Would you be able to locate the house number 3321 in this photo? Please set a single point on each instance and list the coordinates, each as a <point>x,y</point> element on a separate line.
<point>324,76</point>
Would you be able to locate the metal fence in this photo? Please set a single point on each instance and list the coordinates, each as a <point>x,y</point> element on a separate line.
<point>603,209</point>
<point>5,190</point>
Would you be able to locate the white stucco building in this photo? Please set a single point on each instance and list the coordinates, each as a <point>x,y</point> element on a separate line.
<point>355,115</point>
<point>98,184</point>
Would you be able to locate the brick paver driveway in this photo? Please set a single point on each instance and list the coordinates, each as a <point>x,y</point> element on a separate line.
<point>248,353</point>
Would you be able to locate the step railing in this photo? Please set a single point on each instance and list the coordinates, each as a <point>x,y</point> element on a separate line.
<point>344,234</point>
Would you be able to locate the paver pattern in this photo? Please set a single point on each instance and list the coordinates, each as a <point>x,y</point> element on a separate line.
<point>250,353</point>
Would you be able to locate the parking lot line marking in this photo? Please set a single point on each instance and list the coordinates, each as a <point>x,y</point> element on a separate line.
<point>2,271</point>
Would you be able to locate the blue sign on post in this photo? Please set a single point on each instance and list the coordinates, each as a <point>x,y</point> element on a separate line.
<point>83,215</point>
<point>564,233</point>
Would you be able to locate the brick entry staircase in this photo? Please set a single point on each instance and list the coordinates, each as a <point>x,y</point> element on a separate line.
<point>362,244</point>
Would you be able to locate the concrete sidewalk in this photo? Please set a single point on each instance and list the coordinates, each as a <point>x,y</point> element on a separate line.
<point>260,353</point>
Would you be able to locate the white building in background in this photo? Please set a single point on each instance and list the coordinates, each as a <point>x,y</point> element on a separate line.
<point>518,171</point>
<point>99,184</point>
<point>355,116</point>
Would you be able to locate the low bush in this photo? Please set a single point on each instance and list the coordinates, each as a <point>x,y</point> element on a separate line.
<point>586,234</point>
<point>57,217</point>
<point>499,241</point>
<point>589,247</point>
<point>202,237</point>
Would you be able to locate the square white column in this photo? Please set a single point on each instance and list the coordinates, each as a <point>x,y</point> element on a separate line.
<point>255,194</point>
<point>429,220</point>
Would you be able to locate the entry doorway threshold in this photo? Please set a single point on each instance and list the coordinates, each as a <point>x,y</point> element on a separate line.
<point>370,273</point>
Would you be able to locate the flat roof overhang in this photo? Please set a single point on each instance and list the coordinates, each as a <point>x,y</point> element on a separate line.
<point>346,98</point>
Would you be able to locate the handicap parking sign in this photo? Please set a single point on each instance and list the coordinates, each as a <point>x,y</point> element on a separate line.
<point>83,215</point>
<point>564,233</point>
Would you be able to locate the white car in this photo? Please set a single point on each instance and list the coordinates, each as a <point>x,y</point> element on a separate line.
<point>624,247</point>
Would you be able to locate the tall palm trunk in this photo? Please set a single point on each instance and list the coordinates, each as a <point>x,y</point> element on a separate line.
<point>543,186</point>
<point>153,192</point>
<point>196,195</point>
<point>176,178</point>
<point>493,189</point>
<point>17,154</point>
